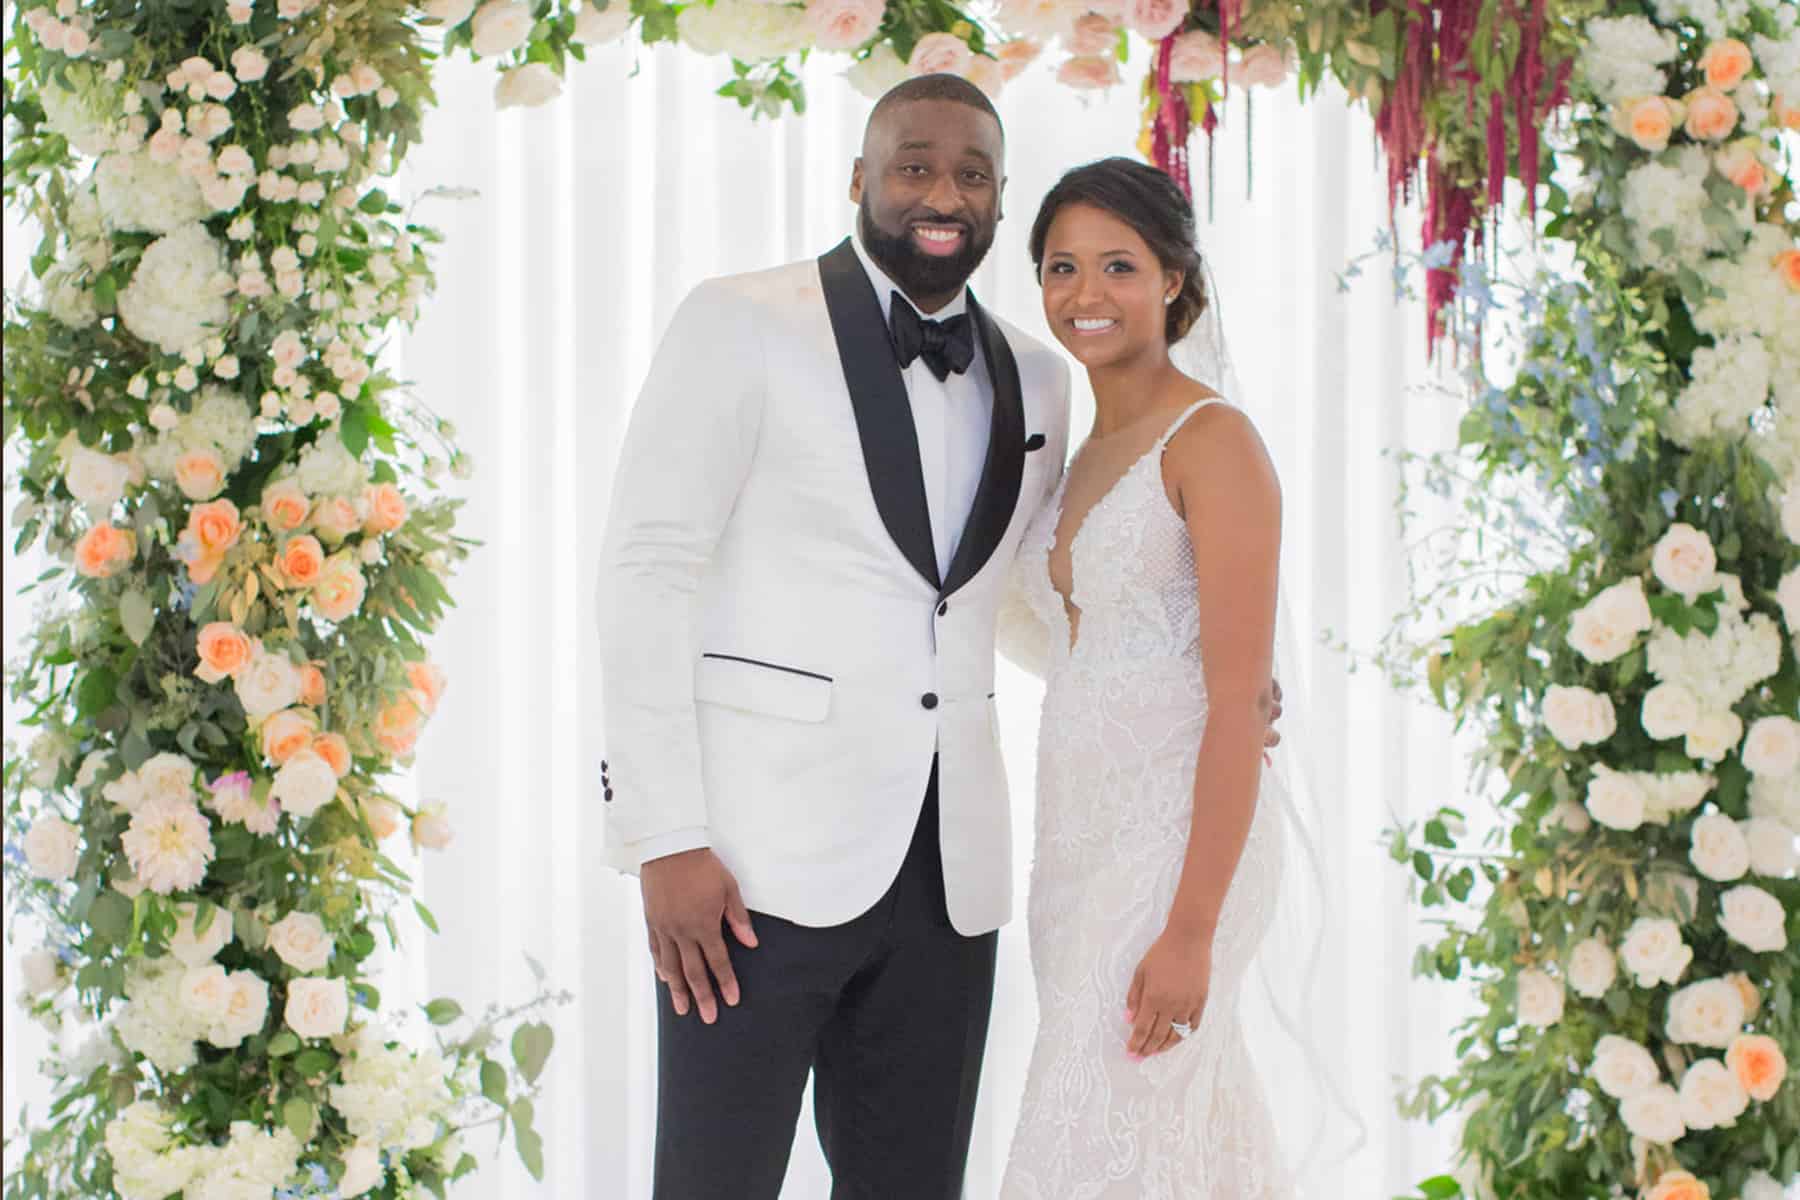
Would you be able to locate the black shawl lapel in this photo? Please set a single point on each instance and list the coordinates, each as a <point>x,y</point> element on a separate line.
<point>998,493</point>
<point>890,444</point>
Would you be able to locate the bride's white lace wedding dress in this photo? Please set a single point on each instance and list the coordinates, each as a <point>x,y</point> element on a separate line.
<point>1123,714</point>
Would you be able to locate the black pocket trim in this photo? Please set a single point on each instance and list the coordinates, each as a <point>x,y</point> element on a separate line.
<point>771,666</point>
<point>1034,442</point>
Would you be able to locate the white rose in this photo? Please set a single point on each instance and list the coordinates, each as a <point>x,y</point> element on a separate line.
<point>1623,1068</point>
<point>1778,798</point>
<point>1790,513</point>
<point>1685,562</point>
<point>1675,792</point>
<point>96,480</point>
<point>304,784</point>
<point>1772,747</point>
<point>450,12</point>
<point>1771,846</point>
<point>1787,594</point>
<point>246,1010</point>
<point>43,972</point>
<point>1753,918</point>
<point>1669,711</point>
<point>431,828</point>
<point>1713,735</point>
<point>167,776</point>
<point>1654,1115</point>
<point>1578,717</point>
<point>1711,1096</point>
<point>204,992</point>
<point>53,848</point>
<point>595,26</point>
<point>1653,951</point>
<point>501,26</point>
<point>268,684</point>
<point>1615,799</point>
<point>1718,850</point>
<point>874,75</point>
<point>1606,626</point>
<point>317,1008</point>
<point>198,949</point>
<point>299,940</point>
<point>1708,1013</point>
<point>527,86</point>
<point>1762,1186</point>
<point>1570,815</point>
<point>1540,998</point>
<point>362,1170</point>
<point>1591,968</point>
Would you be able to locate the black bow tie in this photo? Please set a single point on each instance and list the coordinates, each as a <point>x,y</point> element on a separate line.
<point>945,346</point>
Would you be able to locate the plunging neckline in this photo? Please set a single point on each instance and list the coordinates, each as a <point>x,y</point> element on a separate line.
<point>1072,621</point>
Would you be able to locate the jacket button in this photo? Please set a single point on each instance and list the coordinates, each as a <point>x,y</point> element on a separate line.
<point>609,795</point>
<point>943,608</point>
<point>929,700</point>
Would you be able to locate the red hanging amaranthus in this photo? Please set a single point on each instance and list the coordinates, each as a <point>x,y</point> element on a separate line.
<point>1173,122</point>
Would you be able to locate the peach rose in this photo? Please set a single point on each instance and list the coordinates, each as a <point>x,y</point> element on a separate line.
<point>429,681</point>
<point>939,54</point>
<point>387,508</point>
<point>300,561</point>
<point>1678,1185</point>
<point>383,816</point>
<point>224,649</point>
<point>1711,116</point>
<point>1758,1063</point>
<point>843,24</point>
<point>339,590</point>
<point>200,474</point>
<point>1740,163</point>
<point>1196,56</point>
<point>1784,113</point>
<point>1788,264</point>
<point>1647,120</point>
<point>334,748</point>
<point>287,733</point>
<point>312,685</point>
<point>1092,34</point>
<point>317,1008</point>
<point>397,726</point>
<point>1018,54</point>
<point>1263,66</point>
<point>431,828</point>
<point>285,506</point>
<point>336,518</point>
<point>104,550</point>
<point>1726,63</point>
<point>1089,72</point>
<point>214,527</point>
<point>1155,19</point>
<point>1746,989</point>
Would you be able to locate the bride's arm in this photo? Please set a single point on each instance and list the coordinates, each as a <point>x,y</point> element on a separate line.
<point>1231,501</point>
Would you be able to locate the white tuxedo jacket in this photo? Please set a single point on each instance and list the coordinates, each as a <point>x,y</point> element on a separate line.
<point>780,660</point>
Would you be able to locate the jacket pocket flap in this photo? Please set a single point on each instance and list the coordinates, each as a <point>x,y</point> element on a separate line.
<point>766,688</point>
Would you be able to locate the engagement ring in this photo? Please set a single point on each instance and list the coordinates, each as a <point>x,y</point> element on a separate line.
<point>1181,1029</point>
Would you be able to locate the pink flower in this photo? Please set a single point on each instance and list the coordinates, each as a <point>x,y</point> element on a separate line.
<point>1088,72</point>
<point>169,844</point>
<point>1092,34</point>
<point>1263,66</point>
<point>1155,19</point>
<point>1018,54</point>
<point>939,54</point>
<point>843,24</point>
<point>1197,55</point>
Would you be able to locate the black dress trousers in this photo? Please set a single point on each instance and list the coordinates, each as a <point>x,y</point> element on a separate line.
<point>888,1011</point>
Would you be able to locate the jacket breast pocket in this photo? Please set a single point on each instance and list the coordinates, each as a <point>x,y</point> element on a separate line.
<point>770,689</point>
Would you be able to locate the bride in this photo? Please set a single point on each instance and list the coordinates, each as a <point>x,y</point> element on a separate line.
<point>1149,581</point>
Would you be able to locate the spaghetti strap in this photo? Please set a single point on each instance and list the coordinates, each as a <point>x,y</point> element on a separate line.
<point>1162,443</point>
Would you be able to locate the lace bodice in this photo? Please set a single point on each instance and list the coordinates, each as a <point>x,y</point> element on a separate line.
<point>1124,712</point>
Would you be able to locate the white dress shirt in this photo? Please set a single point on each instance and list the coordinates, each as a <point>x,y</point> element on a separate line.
<point>953,419</point>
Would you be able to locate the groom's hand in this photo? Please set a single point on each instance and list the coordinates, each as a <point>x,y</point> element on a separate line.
<point>688,900</point>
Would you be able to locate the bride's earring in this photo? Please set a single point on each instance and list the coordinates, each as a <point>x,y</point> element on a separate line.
<point>1170,298</point>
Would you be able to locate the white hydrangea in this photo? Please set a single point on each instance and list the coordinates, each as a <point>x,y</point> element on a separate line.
<point>1750,297</point>
<point>1671,196</point>
<point>1729,383</point>
<point>220,421</point>
<point>1623,55</point>
<point>86,112</point>
<point>1718,668</point>
<point>327,468</point>
<point>64,297</point>
<point>1779,58</point>
<point>250,1166</point>
<point>154,1021</point>
<point>390,1096</point>
<point>178,291</point>
<point>147,1165</point>
<point>1717,17</point>
<point>746,30</point>
<point>139,195</point>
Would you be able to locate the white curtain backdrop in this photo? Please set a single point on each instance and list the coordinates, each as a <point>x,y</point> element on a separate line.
<point>593,219</point>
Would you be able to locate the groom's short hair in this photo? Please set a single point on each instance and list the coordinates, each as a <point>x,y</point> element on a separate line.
<point>933,87</point>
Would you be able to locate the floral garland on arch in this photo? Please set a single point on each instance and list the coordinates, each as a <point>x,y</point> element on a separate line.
<point>249,547</point>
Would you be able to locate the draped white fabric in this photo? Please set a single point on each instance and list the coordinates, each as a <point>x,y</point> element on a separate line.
<point>594,217</point>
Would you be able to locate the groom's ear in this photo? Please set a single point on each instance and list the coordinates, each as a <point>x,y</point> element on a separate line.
<point>856,180</point>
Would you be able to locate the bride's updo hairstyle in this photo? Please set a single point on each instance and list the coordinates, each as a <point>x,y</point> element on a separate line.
<point>1148,201</point>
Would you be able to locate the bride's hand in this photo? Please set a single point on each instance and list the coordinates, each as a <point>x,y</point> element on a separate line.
<point>1170,985</point>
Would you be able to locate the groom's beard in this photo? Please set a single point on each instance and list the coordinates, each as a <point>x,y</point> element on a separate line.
<point>918,273</point>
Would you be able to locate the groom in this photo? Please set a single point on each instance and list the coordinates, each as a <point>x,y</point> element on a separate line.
<point>818,500</point>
